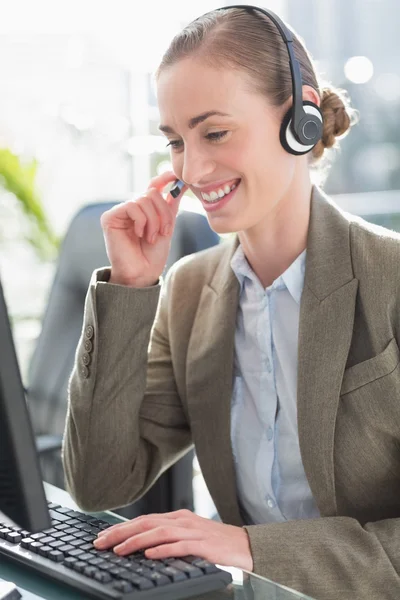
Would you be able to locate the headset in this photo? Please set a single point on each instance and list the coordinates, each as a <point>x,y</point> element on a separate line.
<point>302,125</point>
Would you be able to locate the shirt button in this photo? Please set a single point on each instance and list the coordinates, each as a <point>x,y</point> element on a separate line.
<point>89,331</point>
<point>86,359</point>
<point>270,502</point>
<point>270,433</point>
<point>88,346</point>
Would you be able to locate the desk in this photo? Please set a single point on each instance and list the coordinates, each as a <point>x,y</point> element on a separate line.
<point>246,586</point>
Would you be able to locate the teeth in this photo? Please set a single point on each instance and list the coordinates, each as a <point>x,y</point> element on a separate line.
<point>216,195</point>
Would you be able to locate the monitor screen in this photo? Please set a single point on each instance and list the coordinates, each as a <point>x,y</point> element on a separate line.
<point>22,497</point>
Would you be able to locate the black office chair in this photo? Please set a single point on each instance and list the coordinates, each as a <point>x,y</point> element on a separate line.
<point>82,251</point>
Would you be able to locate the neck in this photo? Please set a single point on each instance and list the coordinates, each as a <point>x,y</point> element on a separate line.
<point>275,242</point>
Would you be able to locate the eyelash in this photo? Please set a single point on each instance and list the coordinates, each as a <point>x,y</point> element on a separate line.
<point>215,136</point>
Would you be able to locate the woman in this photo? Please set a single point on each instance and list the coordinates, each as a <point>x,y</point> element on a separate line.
<point>275,353</point>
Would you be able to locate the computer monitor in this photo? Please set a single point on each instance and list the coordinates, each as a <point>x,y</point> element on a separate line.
<point>22,497</point>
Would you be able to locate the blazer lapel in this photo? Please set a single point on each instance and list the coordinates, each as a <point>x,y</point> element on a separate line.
<point>325,333</point>
<point>209,381</point>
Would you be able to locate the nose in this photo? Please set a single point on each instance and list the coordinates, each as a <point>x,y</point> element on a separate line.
<point>197,165</point>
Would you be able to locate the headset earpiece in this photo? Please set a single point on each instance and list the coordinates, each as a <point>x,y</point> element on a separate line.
<point>308,133</point>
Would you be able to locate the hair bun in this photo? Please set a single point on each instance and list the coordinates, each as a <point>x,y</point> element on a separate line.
<point>338,118</point>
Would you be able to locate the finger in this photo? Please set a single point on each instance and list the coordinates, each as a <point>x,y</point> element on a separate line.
<point>123,216</point>
<point>152,520</point>
<point>123,531</point>
<point>155,537</point>
<point>152,217</point>
<point>130,529</point>
<point>160,181</point>
<point>165,213</point>
<point>181,548</point>
<point>174,203</point>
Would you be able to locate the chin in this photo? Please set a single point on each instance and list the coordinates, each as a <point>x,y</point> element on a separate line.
<point>224,226</point>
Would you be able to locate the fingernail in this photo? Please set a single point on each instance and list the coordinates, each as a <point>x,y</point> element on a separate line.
<point>153,239</point>
<point>167,230</point>
<point>100,542</point>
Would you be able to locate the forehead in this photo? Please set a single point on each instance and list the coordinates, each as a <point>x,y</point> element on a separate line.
<point>191,87</point>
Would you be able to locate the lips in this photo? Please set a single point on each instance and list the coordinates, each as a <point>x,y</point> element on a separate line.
<point>219,204</point>
<point>213,187</point>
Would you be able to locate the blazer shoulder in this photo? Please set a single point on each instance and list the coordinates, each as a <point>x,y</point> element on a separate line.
<point>375,251</point>
<point>368,235</point>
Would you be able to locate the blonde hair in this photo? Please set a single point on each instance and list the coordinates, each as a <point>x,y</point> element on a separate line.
<point>251,42</point>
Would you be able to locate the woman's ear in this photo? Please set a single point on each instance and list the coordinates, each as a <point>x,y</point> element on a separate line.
<point>310,94</point>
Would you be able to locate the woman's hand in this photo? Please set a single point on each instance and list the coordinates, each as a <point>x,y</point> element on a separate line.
<point>180,533</point>
<point>138,234</point>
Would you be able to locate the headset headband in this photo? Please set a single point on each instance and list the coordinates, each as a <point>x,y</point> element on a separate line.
<point>297,85</point>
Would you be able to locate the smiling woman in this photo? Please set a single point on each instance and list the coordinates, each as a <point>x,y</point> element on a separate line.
<point>270,353</point>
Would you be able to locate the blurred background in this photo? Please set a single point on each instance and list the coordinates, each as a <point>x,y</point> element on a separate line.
<point>78,121</point>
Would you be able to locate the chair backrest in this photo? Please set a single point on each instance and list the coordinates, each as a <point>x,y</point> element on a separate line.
<point>82,251</point>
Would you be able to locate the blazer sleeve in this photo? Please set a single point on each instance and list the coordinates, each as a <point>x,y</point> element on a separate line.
<point>330,557</point>
<point>125,423</point>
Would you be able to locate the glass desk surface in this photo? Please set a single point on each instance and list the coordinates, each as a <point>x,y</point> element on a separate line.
<point>245,586</point>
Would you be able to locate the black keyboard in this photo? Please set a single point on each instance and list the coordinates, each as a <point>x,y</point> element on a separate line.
<point>65,553</point>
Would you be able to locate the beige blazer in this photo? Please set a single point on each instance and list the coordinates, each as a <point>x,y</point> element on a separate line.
<point>122,430</point>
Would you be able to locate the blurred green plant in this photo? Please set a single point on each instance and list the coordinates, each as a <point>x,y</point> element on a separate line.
<point>18,177</point>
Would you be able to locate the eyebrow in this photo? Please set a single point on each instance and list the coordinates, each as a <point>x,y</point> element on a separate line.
<point>194,121</point>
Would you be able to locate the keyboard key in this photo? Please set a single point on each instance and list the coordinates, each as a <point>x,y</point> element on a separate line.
<point>53,505</point>
<point>73,522</point>
<point>103,577</point>
<point>73,531</point>
<point>140,582</point>
<point>35,547</point>
<point>58,534</point>
<point>90,571</point>
<point>159,579</point>
<point>61,527</point>
<point>85,547</point>
<point>205,566</point>
<point>190,570</point>
<point>4,531</point>
<point>56,556</point>
<point>14,537</point>
<point>26,542</point>
<point>57,516</point>
<point>173,574</point>
<point>63,510</point>
<point>85,556</point>
<point>76,542</point>
<point>47,540</point>
<point>89,538</point>
<point>75,552</point>
<point>45,550</point>
<point>139,570</point>
<point>67,538</point>
<point>37,536</point>
<point>56,544</point>
<point>79,566</point>
<point>70,561</point>
<point>123,586</point>
<point>66,548</point>
<point>95,562</point>
<point>49,531</point>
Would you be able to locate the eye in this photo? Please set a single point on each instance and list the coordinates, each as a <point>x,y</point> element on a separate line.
<point>174,143</point>
<point>216,135</point>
